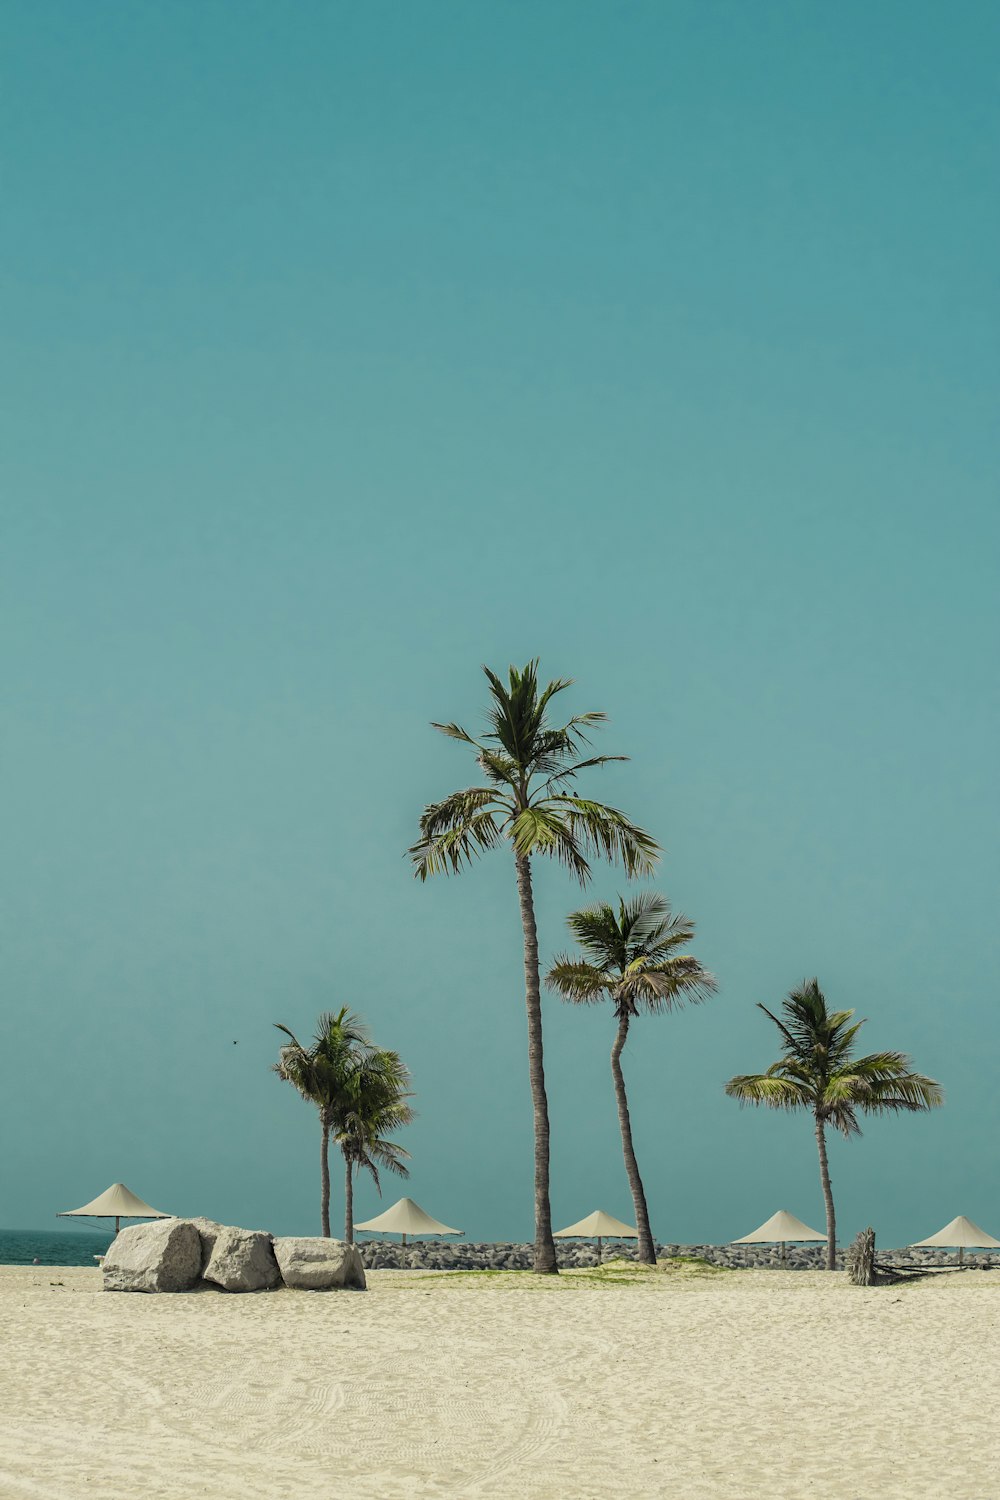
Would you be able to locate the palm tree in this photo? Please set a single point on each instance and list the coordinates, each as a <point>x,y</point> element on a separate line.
<point>527,764</point>
<point>819,1073</point>
<point>632,959</point>
<point>321,1074</point>
<point>374,1105</point>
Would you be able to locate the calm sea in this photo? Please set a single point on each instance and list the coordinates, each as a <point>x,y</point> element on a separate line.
<point>22,1247</point>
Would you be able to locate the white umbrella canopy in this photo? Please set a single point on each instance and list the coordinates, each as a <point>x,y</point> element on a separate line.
<point>598,1226</point>
<point>781,1229</point>
<point>407,1217</point>
<point>116,1202</point>
<point>961,1234</point>
<point>597,1223</point>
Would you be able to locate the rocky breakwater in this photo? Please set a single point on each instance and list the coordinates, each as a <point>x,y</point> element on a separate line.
<point>437,1255</point>
<point>185,1255</point>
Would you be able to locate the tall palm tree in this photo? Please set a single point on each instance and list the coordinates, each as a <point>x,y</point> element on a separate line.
<point>819,1073</point>
<point>373,1107</point>
<point>528,766</point>
<point>321,1074</point>
<point>632,958</point>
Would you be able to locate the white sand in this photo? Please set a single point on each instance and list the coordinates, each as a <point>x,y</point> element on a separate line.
<point>745,1384</point>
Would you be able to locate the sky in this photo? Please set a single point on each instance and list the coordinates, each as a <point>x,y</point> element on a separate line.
<point>348,348</point>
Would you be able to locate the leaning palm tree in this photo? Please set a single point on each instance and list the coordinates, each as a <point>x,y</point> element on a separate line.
<point>374,1106</point>
<point>820,1074</point>
<point>321,1073</point>
<point>631,957</point>
<point>528,765</point>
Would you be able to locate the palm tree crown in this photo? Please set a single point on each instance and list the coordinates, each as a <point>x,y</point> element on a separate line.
<point>527,763</point>
<point>820,1073</point>
<point>632,958</point>
<point>318,1071</point>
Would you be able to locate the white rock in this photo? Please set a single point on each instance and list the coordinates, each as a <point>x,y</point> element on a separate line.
<point>318,1265</point>
<point>164,1256</point>
<point>242,1260</point>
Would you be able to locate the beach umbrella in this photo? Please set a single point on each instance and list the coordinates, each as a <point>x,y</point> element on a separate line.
<point>961,1234</point>
<point>116,1202</point>
<point>781,1229</point>
<point>407,1217</point>
<point>599,1226</point>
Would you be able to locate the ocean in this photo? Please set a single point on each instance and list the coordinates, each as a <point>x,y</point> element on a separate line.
<point>50,1247</point>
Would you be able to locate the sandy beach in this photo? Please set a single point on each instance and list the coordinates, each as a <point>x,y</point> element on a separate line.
<point>687,1384</point>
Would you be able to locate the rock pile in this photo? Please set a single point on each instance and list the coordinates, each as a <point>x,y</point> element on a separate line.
<point>436,1255</point>
<point>184,1255</point>
<point>181,1255</point>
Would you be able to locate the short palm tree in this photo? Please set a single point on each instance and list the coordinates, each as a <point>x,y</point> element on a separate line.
<point>526,801</point>
<point>633,957</point>
<point>345,1075</point>
<point>374,1106</point>
<point>819,1073</point>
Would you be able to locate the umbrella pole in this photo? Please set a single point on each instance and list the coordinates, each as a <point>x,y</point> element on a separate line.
<point>404,1236</point>
<point>960,1253</point>
<point>118,1223</point>
<point>600,1250</point>
<point>782,1252</point>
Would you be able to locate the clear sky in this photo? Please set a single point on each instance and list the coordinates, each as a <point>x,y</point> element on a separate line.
<point>348,347</point>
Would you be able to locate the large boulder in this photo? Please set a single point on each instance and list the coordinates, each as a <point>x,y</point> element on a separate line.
<point>164,1256</point>
<point>242,1260</point>
<point>319,1265</point>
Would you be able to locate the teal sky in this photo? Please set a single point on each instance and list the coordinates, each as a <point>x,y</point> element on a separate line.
<point>348,347</point>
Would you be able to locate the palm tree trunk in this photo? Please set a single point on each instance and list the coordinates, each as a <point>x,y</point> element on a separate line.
<point>349,1204</point>
<point>324,1178</point>
<point>545,1249</point>
<point>647,1253</point>
<point>831,1217</point>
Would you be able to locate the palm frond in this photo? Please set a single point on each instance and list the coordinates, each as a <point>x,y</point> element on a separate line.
<point>456,732</point>
<point>597,930</point>
<point>499,768</point>
<point>576,980</point>
<point>658,984</point>
<point>608,831</point>
<point>790,1041</point>
<point>457,829</point>
<point>877,1089</point>
<point>819,1062</point>
<point>763,1088</point>
<point>538,829</point>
